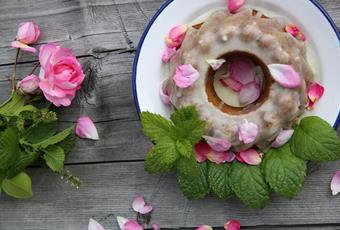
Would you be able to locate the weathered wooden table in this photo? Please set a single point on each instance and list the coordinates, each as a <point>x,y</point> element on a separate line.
<point>104,35</point>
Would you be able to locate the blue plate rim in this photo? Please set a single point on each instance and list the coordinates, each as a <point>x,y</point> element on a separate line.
<point>163,7</point>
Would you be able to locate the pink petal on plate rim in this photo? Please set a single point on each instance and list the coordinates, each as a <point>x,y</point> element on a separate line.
<point>168,54</point>
<point>235,5</point>
<point>242,71</point>
<point>218,144</point>
<point>247,131</point>
<point>285,75</point>
<point>250,157</point>
<point>164,92</point>
<point>250,93</point>
<point>215,63</point>
<point>121,222</point>
<point>185,76</point>
<point>292,29</point>
<point>138,203</point>
<point>315,92</point>
<point>232,84</point>
<point>176,36</point>
<point>94,225</point>
<point>232,225</point>
<point>85,128</point>
<point>283,137</point>
<point>335,183</point>
<point>204,227</point>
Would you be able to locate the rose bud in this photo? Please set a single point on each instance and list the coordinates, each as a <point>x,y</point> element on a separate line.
<point>28,33</point>
<point>29,85</point>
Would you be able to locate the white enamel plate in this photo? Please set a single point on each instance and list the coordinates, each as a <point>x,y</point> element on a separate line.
<point>321,32</point>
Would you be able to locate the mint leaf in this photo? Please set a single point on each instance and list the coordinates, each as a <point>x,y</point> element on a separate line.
<point>41,131</point>
<point>314,139</point>
<point>162,157</point>
<point>219,180</point>
<point>155,126</point>
<point>54,157</point>
<point>284,172</point>
<point>2,177</point>
<point>22,162</point>
<point>188,124</point>
<point>9,147</point>
<point>55,139</point>
<point>13,105</point>
<point>184,147</point>
<point>249,185</point>
<point>19,186</point>
<point>195,186</point>
<point>188,166</point>
<point>68,143</point>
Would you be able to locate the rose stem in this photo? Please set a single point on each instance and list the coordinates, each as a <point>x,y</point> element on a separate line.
<point>15,70</point>
<point>36,65</point>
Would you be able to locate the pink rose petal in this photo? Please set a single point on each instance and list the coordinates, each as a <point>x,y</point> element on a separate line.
<point>23,46</point>
<point>247,131</point>
<point>202,149</point>
<point>176,36</point>
<point>204,152</point>
<point>216,63</point>
<point>185,76</point>
<point>164,92</point>
<point>218,144</point>
<point>146,209</point>
<point>139,205</point>
<point>301,37</point>
<point>283,138</point>
<point>235,5</point>
<point>121,222</point>
<point>335,183</point>
<point>232,225</point>
<point>250,93</point>
<point>239,158</point>
<point>94,225</point>
<point>232,84</point>
<point>204,227</point>
<point>250,157</point>
<point>292,29</point>
<point>132,225</point>
<point>285,75</point>
<point>310,105</point>
<point>243,71</point>
<point>315,92</point>
<point>168,54</point>
<point>85,128</point>
<point>155,226</point>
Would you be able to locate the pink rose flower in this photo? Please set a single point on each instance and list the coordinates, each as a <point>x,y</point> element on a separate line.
<point>29,85</point>
<point>28,33</point>
<point>61,75</point>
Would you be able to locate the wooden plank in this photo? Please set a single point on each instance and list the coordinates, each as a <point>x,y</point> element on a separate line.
<point>108,189</point>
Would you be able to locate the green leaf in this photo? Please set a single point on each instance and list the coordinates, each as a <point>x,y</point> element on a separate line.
<point>314,139</point>
<point>284,172</point>
<point>219,180</point>
<point>185,148</point>
<point>13,105</point>
<point>55,139</point>
<point>54,157</point>
<point>41,131</point>
<point>9,147</point>
<point>162,157</point>
<point>21,163</point>
<point>68,143</point>
<point>19,186</point>
<point>249,185</point>
<point>188,124</point>
<point>195,186</point>
<point>2,177</point>
<point>155,126</point>
<point>188,166</point>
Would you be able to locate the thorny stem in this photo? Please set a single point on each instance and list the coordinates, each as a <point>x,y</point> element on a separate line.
<point>36,65</point>
<point>15,70</point>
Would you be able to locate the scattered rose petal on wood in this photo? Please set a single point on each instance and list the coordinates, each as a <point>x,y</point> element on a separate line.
<point>85,128</point>
<point>140,206</point>
<point>216,63</point>
<point>232,225</point>
<point>204,227</point>
<point>185,76</point>
<point>125,224</point>
<point>155,226</point>
<point>242,71</point>
<point>232,84</point>
<point>335,183</point>
<point>250,157</point>
<point>168,54</point>
<point>283,137</point>
<point>94,225</point>
<point>250,93</point>
<point>285,75</point>
<point>176,36</point>
<point>234,5</point>
<point>217,144</point>
<point>164,92</point>
<point>247,131</point>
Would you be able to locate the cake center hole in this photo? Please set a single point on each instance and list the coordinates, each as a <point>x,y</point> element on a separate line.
<point>239,82</point>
